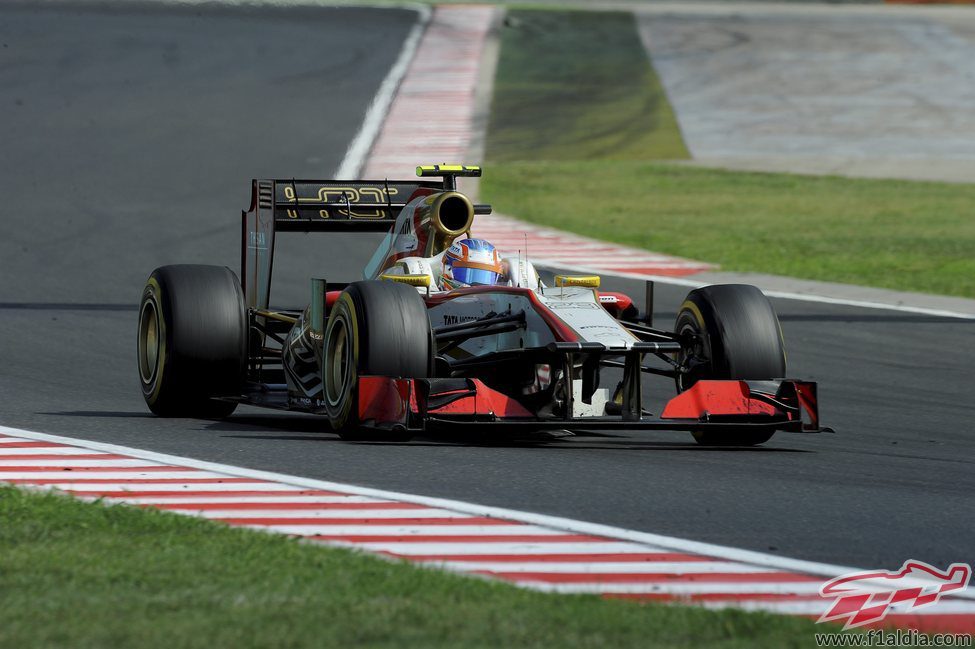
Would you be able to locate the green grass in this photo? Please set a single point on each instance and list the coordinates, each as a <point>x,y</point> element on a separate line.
<point>580,123</point>
<point>577,85</point>
<point>900,235</point>
<point>77,575</point>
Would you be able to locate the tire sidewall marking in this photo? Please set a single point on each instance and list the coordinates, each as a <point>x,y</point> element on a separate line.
<point>344,308</point>
<point>153,293</point>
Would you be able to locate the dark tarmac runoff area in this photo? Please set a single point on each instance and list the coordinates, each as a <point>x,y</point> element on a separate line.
<point>129,138</point>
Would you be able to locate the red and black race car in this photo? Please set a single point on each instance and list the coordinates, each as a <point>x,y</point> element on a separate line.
<point>399,353</point>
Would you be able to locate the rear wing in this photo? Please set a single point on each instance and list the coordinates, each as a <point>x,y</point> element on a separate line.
<point>292,205</point>
<point>332,205</point>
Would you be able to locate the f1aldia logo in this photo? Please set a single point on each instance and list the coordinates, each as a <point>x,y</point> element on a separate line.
<point>865,597</point>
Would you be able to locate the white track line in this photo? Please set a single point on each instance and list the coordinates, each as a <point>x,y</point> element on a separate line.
<point>356,154</point>
<point>777,588</point>
<point>107,463</point>
<point>83,477</point>
<point>511,548</point>
<point>398,531</point>
<point>366,514</point>
<point>622,567</point>
<point>51,450</point>
<point>578,527</point>
<point>174,487</point>
<point>432,111</point>
<point>188,502</point>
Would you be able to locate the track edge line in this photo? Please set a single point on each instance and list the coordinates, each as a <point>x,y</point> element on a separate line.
<point>567,524</point>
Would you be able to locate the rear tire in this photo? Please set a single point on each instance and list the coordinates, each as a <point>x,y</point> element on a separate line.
<point>376,328</point>
<point>740,339</point>
<point>192,341</point>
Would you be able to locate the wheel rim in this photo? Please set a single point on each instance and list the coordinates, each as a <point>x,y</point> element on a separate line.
<point>699,350</point>
<point>148,342</point>
<point>338,355</point>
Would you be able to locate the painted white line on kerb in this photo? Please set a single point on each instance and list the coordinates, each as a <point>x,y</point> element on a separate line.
<point>569,525</point>
<point>67,461</point>
<point>132,477</point>
<point>324,514</point>
<point>66,453</point>
<point>433,110</point>
<point>76,488</point>
<point>649,588</point>
<point>322,529</point>
<point>415,550</point>
<point>355,156</point>
<point>630,567</point>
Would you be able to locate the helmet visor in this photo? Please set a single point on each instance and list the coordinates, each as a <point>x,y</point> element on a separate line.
<point>475,276</point>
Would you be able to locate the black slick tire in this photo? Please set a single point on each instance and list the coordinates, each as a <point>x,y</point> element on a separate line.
<point>740,338</point>
<point>378,328</point>
<point>192,341</point>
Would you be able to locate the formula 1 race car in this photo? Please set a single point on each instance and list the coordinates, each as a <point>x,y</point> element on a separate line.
<point>402,352</point>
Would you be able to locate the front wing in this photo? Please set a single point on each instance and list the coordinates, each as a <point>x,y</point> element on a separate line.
<point>411,404</point>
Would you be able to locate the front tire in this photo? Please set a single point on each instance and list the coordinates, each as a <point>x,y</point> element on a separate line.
<point>739,337</point>
<point>376,328</point>
<point>192,341</point>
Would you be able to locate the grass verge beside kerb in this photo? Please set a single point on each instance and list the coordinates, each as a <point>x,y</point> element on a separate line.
<point>577,85</point>
<point>76,574</point>
<point>913,236</point>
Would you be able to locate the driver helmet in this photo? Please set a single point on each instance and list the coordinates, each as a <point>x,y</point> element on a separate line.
<point>471,262</point>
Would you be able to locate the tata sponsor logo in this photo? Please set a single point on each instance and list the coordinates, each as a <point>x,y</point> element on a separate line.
<point>457,319</point>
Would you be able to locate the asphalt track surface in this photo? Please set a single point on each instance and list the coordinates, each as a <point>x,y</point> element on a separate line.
<point>129,138</point>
